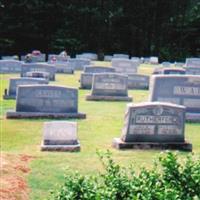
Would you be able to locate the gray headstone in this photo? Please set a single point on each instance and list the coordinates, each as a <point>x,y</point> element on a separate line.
<point>86,80</point>
<point>125,66</point>
<point>153,60</point>
<point>78,64</point>
<point>178,89</point>
<point>153,125</point>
<point>169,70</point>
<point>39,67</point>
<point>166,64</point>
<point>46,101</point>
<point>9,58</point>
<point>193,62</point>
<point>10,66</point>
<point>63,67</point>
<point>108,58</point>
<point>15,82</point>
<point>192,70</point>
<point>109,86</point>
<point>154,122</point>
<point>60,135</point>
<point>118,55</point>
<point>138,81</point>
<point>38,58</point>
<point>90,56</point>
<point>98,69</point>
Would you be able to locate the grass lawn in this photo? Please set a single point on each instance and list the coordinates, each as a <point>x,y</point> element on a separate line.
<point>104,122</point>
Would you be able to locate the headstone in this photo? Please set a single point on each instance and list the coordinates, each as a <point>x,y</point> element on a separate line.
<point>153,125</point>
<point>123,56</point>
<point>109,86</point>
<point>154,60</point>
<point>41,101</point>
<point>87,76</point>
<point>15,82</point>
<point>138,81</point>
<point>38,58</point>
<point>57,58</point>
<point>63,67</point>
<point>39,67</point>
<point>178,89</point>
<point>60,136</point>
<point>166,64</point>
<point>193,62</point>
<point>10,57</point>
<point>10,66</point>
<point>169,70</point>
<point>125,66</point>
<point>78,64</point>
<point>90,56</point>
<point>108,58</point>
<point>179,64</point>
<point>192,70</point>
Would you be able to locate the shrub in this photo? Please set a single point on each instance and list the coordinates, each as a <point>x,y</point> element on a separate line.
<point>170,179</point>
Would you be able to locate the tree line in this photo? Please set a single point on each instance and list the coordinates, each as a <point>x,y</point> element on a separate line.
<point>168,29</point>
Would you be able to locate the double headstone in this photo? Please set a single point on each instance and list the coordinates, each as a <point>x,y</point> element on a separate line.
<point>109,86</point>
<point>89,71</point>
<point>153,125</point>
<point>138,81</point>
<point>39,67</point>
<point>15,82</point>
<point>193,66</point>
<point>125,66</point>
<point>178,89</point>
<point>46,101</point>
<point>10,66</point>
<point>60,136</point>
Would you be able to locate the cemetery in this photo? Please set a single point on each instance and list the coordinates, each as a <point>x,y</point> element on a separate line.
<point>100,100</point>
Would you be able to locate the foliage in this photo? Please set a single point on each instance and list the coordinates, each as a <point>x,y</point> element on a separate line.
<point>169,179</point>
<point>169,29</point>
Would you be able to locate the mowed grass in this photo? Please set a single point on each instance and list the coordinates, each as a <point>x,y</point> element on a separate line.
<point>104,122</point>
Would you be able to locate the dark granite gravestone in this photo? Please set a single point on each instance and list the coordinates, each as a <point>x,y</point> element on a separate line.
<point>109,86</point>
<point>125,66</point>
<point>15,82</point>
<point>193,62</point>
<point>178,89</point>
<point>138,81</point>
<point>39,67</point>
<point>89,71</point>
<point>60,136</point>
<point>46,101</point>
<point>78,63</point>
<point>119,55</point>
<point>169,70</point>
<point>10,66</point>
<point>153,125</point>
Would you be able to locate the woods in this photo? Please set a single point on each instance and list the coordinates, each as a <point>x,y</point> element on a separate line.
<point>168,29</point>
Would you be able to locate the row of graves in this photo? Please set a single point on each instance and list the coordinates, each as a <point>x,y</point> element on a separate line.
<point>158,123</point>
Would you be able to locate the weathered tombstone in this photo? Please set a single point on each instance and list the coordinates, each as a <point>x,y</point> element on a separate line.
<point>169,70</point>
<point>125,66</point>
<point>193,62</point>
<point>38,74</point>
<point>60,136</point>
<point>46,101</point>
<point>15,82</point>
<point>178,89</point>
<point>166,64</point>
<point>87,76</point>
<point>10,66</point>
<point>78,63</point>
<point>123,56</point>
<point>138,81</point>
<point>109,86</point>
<point>63,67</point>
<point>108,58</point>
<point>153,60</point>
<point>153,125</point>
<point>10,57</point>
<point>90,56</point>
<point>39,67</point>
<point>38,58</point>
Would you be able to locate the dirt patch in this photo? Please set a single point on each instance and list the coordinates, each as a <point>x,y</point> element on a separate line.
<point>12,179</point>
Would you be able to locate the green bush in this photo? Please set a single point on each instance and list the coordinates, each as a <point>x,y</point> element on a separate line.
<point>170,179</point>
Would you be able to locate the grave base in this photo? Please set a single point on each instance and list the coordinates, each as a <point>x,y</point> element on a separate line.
<point>107,98</point>
<point>193,117</point>
<point>23,115</point>
<point>119,144</point>
<point>70,148</point>
<point>8,97</point>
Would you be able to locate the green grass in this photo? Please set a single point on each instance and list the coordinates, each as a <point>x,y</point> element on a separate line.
<point>104,122</point>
